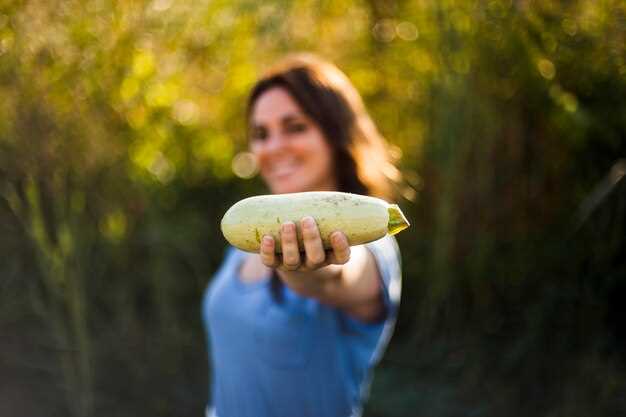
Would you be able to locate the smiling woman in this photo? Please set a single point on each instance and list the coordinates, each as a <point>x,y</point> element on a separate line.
<point>297,333</point>
<point>324,105</point>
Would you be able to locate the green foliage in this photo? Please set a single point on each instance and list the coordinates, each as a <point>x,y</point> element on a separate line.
<point>118,124</point>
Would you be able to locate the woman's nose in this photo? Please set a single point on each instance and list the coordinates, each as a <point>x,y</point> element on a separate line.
<point>274,142</point>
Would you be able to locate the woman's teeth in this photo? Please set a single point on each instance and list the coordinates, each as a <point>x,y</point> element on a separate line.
<point>284,169</point>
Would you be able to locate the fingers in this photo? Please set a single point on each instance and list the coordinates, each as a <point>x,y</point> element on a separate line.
<point>289,246</point>
<point>314,254</point>
<point>267,252</point>
<point>341,248</point>
<point>313,246</point>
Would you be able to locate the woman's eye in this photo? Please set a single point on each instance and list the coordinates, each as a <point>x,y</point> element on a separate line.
<point>296,128</point>
<point>258,134</point>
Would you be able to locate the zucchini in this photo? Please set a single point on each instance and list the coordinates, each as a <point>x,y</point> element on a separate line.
<point>362,218</point>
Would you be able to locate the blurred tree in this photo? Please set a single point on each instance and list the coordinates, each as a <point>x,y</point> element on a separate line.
<point>118,124</point>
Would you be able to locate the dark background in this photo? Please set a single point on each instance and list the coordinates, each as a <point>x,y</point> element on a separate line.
<point>119,122</point>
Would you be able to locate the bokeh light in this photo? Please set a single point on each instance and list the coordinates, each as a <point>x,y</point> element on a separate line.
<point>245,165</point>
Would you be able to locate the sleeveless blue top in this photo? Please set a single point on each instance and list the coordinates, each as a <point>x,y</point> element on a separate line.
<point>287,355</point>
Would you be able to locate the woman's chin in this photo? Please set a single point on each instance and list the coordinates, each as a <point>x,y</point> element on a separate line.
<point>285,190</point>
<point>288,187</point>
<point>285,187</point>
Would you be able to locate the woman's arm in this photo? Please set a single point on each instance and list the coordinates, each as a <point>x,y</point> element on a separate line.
<point>346,278</point>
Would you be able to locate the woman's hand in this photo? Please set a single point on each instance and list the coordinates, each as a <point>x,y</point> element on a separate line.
<point>314,256</point>
<point>331,276</point>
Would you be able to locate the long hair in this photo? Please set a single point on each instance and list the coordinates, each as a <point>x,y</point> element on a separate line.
<point>361,158</point>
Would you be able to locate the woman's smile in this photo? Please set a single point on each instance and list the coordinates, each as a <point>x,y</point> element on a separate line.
<point>283,168</point>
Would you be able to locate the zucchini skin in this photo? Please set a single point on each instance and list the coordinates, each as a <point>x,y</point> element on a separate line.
<point>362,218</point>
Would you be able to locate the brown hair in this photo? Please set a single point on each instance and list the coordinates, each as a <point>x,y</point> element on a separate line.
<point>325,94</point>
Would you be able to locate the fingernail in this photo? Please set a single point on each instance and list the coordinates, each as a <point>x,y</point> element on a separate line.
<point>267,240</point>
<point>308,222</point>
<point>288,227</point>
<point>337,238</point>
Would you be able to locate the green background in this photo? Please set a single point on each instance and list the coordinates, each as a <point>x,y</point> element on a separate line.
<point>119,121</point>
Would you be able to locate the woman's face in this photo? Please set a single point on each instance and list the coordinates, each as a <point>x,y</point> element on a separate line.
<point>292,152</point>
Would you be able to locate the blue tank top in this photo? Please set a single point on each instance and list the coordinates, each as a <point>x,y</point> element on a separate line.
<point>283,355</point>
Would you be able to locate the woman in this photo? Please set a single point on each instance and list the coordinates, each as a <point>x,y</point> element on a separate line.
<point>297,334</point>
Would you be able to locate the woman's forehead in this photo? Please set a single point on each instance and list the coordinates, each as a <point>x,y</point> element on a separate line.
<point>276,104</point>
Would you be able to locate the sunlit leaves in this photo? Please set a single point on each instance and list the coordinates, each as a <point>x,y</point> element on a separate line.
<point>185,112</point>
<point>546,68</point>
<point>143,64</point>
<point>116,113</point>
<point>113,226</point>
<point>215,152</point>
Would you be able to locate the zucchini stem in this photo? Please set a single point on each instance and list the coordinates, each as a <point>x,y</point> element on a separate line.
<point>397,221</point>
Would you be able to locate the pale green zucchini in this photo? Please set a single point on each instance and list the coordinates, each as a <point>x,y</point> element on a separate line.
<point>363,219</point>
